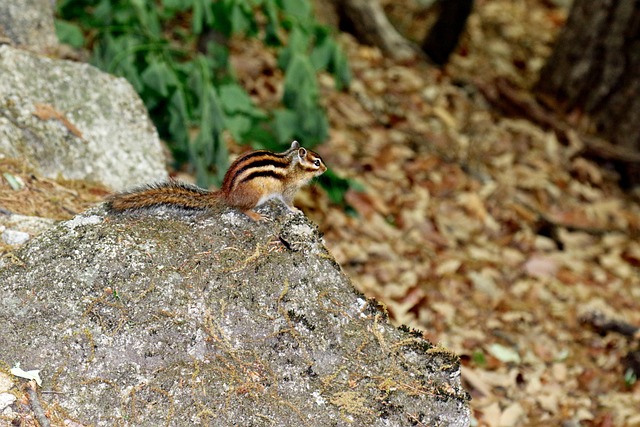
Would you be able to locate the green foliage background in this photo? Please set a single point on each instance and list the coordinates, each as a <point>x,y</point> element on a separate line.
<point>193,97</point>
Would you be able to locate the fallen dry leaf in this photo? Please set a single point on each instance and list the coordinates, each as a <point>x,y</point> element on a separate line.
<point>48,112</point>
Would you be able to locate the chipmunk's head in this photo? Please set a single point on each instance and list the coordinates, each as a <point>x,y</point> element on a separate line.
<point>310,162</point>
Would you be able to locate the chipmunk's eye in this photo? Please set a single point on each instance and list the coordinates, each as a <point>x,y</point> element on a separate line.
<point>316,162</point>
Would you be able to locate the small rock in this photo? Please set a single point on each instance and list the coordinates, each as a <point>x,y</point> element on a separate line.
<point>6,399</point>
<point>14,237</point>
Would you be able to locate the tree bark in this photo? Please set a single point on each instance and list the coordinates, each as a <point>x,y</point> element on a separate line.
<point>444,35</point>
<point>595,69</point>
<point>367,20</point>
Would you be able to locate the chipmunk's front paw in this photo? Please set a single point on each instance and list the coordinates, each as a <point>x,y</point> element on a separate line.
<point>254,215</point>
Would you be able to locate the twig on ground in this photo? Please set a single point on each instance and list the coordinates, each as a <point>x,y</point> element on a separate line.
<point>38,412</point>
<point>603,325</point>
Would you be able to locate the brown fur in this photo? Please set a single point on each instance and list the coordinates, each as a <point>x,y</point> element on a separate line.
<point>252,179</point>
<point>171,193</point>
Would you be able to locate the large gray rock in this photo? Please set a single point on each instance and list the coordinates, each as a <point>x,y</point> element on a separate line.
<point>73,120</point>
<point>152,320</point>
<point>28,24</point>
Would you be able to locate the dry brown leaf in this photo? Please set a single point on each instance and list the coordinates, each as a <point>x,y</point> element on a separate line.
<point>475,382</point>
<point>541,266</point>
<point>48,112</point>
<point>476,225</point>
<point>474,205</point>
<point>512,415</point>
<point>448,266</point>
<point>365,204</point>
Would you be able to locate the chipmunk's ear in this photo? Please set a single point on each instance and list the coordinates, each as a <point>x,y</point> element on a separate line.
<point>302,153</point>
<point>295,145</point>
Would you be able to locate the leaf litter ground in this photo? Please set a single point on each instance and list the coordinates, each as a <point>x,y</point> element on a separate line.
<point>484,231</point>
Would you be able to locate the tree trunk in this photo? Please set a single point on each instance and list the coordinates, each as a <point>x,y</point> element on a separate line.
<point>595,68</point>
<point>444,35</point>
<point>367,20</point>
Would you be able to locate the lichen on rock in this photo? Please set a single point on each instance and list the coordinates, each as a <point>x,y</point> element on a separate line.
<point>158,319</point>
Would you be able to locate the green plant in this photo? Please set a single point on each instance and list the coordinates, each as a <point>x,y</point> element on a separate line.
<point>479,358</point>
<point>191,96</point>
<point>630,377</point>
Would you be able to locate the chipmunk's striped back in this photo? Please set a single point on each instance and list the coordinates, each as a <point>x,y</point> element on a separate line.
<point>255,165</point>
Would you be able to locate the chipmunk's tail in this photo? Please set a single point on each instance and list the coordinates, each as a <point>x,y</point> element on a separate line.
<point>172,194</point>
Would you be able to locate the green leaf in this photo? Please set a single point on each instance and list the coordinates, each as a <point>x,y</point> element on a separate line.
<point>69,33</point>
<point>298,43</point>
<point>208,142</point>
<point>103,12</point>
<point>202,16</point>
<point>178,5</point>
<point>198,76</point>
<point>240,21</point>
<point>179,119</point>
<point>322,54</point>
<point>235,100</point>
<point>212,116</point>
<point>340,68</point>
<point>336,186</point>
<point>240,113</point>
<point>197,17</point>
<point>299,83</point>
<point>313,126</point>
<point>61,6</point>
<point>218,57</point>
<point>220,16</point>
<point>128,70</point>
<point>284,124</point>
<point>300,10</point>
<point>147,17</point>
<point>479,358</point>
<point>208,13</point>
<point>159,77</point>
<point>221,160</point>
<point>273,23</point>
<point>262,137</point>
<point>301,95</point>
<point>238,125</point>
<point>118,57</point>
<point>207,153</point>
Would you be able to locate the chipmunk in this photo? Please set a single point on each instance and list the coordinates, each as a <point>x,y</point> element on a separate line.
<point>251,180</point>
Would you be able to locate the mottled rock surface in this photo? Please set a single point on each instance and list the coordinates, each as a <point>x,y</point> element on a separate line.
<point>28,24</point>
<point>158,319</point>
<point>73,120</point>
